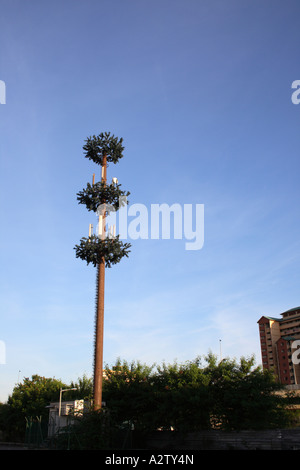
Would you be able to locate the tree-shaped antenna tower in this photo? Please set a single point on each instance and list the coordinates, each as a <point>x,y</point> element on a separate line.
<point>104,248</point>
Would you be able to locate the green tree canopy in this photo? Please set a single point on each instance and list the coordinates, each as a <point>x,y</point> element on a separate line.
<point>200,394</point>
<point>228,395</point>
<point>31,398</point>
<point>96,249</point>
<point>28,399</point>
<point>33,395</point>
<point>92,250</point>
<point>96,194</point>
<point>103,144</point>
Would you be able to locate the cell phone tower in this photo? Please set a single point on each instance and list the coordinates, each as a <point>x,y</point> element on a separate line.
<point>104,248</point>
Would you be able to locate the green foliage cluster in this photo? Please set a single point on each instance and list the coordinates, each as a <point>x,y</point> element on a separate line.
<point>197,395</point>
<point>229,395</point>
<point>193,396</point>
<point>92,250</point>
<point>31,398</point>
<point>103,144</point>
<point>99,193</point>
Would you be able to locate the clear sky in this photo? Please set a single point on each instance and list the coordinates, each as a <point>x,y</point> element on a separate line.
<point>200,90</point>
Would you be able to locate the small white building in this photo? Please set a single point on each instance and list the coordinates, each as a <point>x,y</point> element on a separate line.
<point>62,414</point>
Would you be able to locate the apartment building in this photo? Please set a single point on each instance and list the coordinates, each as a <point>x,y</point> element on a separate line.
<point>280,341</point>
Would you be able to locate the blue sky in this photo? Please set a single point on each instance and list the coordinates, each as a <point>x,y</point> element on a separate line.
<point>201,93</point>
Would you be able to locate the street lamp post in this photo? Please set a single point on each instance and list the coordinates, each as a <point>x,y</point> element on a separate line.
<point>60,396</point>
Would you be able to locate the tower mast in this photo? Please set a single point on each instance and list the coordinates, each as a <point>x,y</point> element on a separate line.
<point>99,326</point>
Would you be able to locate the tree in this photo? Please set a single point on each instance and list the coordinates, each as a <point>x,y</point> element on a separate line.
<point>244,395</point>
<point>84,389</point>
<point>28,399</point>
<point>31,398</point>
<point>228,395</point>
<point>128,392</point>
<point>182,396</point>
<point>202,394</point>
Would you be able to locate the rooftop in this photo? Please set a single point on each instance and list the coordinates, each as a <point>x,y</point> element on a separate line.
<point>286,314</point>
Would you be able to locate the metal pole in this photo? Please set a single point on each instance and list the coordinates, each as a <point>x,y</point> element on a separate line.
<point>59,406</point>
<point>60,397</point>
<point>98,361</point>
